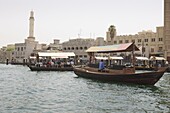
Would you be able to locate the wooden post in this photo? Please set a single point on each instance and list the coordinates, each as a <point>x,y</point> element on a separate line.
<point>133,54</point>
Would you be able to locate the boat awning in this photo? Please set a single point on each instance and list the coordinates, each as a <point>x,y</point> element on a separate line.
<point>113,48</point>
<point>56,55</point>
<point>101,58</point>
<point>32,57</point>
<point>142,58</point>
<point>116,58</point>
<point>157,58</point>
<point>112,57</point>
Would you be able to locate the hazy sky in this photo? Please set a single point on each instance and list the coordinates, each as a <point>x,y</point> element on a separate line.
<point>64,19</point>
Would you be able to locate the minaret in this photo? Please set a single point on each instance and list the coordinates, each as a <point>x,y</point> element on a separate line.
<point>31,26</point>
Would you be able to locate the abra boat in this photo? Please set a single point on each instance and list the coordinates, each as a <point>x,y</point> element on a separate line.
<point>51,61</point>
<point>124,74</point>
<point>145,78</point>
<point>36,68</point>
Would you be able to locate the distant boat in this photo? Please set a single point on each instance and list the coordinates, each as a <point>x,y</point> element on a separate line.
<point>123,74</point>
<point>36,68</point>
<point>52,61</point>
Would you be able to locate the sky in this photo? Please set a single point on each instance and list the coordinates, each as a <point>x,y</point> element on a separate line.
<point>70,19</point>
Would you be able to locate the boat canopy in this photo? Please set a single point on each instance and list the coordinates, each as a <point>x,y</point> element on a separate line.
<point>111,57</point>
<point>142,58</point>
<point>56,55</point>
<point>127,47</point>
<point>157,58</point>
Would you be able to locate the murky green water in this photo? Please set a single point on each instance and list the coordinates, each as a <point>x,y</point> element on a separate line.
<point>24,91</point>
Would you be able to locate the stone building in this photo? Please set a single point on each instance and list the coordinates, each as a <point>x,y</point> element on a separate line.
<point>151,43</point>
<point>3,55</point>
<point>167,28</point>
<point>56,45</point>
<point>78,46</point>
<point>7,52</point>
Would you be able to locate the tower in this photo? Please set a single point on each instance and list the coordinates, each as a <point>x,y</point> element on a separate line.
<point>31,26</point>
<point>110,35</point>
<point>167,29</point>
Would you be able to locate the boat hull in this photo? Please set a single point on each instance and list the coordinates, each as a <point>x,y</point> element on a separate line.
<point>147,78</point>
<point>34,68</point>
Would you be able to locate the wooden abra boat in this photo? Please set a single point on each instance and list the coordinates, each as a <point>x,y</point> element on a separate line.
<point>52,61</point>
<point>124,74</point>
<point>36,68</point>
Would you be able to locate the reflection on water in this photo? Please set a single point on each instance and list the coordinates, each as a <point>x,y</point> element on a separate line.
<point>63,92</point>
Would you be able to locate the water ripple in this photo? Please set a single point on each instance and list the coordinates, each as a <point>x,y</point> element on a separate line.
<point>24,91</point>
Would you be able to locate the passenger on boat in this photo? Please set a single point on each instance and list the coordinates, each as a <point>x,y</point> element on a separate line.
<point>101,65</point>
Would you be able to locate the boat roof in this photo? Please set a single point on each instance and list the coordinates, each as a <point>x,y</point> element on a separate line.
<point>142,58</point>
<point>127,47</point>
<point>111,57</point>
<point>157,58</point>
<point>56,55</point>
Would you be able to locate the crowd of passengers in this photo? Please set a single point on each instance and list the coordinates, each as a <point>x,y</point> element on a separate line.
<point>55,63</point>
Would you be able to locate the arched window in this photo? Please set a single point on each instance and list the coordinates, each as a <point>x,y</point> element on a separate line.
<point>68,48</point>
<point>72,48</point>
<point>81,48</point>
<point>77,48</point>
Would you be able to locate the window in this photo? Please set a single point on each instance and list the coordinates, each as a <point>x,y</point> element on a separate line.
<point>81,48</point>
<point>72,48</point>
<point>146,40</point>
<point>160,49</point>
<point>77,48</point>
<point>152,49</point>
<point>160,39</point>
<point>139,40</point>
<point>115,42</point>
<point>133,41</point>
<point>120,41</point>
<point>85,48</point>
<point>68,48</point>
<point>65,48</point>
<point>21,48</point>
<point>126,41</point>
<point>153,39</point>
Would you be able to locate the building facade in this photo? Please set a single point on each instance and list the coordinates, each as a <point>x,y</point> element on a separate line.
<point>150,43</point>
<point>56,45</point>
<point>78,46</point>
<point>167,28</point>
<point>7,53</point>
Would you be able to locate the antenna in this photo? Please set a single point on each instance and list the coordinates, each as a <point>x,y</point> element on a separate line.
<point>79,33</point>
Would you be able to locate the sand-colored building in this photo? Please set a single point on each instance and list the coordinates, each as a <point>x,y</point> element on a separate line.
<point>151,42</point>
<point>78,46</point>
<point>167,29</point>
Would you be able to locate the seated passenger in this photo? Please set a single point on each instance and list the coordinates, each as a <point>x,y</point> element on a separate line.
<point>101,65</point>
